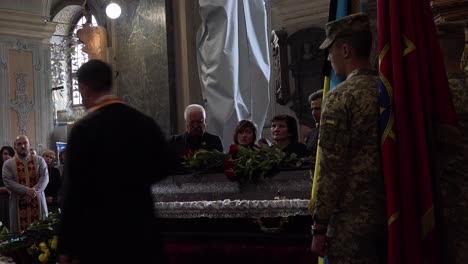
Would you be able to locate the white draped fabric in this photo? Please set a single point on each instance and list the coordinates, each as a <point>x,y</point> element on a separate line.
<point>233,64</point>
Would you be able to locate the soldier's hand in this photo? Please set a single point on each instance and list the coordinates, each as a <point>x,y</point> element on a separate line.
<point>319,245</point>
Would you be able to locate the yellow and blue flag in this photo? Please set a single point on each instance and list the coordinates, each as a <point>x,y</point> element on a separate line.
<point>338,9</point>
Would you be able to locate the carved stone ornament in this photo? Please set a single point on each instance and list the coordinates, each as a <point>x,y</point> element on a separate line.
<point>21,46</point>
<point>21,105</point>
<point>278,42</point>
<point>307,62</point>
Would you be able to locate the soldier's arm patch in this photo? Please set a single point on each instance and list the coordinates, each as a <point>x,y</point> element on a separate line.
<point>333,131</point>
<point>330,120</point>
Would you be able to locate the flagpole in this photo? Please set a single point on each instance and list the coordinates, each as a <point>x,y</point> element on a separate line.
<point>326,87</point>
<point>342,9</point>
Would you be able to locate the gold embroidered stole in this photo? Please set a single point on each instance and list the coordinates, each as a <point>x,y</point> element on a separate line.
<point>26,175</point>
<point>106,100</point>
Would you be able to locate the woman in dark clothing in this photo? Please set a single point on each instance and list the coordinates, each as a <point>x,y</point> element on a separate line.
<point>284,134</point>
<point>245,134</point>
<point>7,153</point>
<point>55,181</point>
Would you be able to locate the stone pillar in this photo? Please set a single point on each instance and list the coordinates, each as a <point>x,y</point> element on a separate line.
<point>25,89</point>
<point>140,46</point>
<point>187,21</point>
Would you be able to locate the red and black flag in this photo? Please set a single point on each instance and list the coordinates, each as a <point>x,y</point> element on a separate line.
<point>414,99</point>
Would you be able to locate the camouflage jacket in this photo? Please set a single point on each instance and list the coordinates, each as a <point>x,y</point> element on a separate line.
<point>350,190</point>
<point>454,179</point>
<point>458,84</point>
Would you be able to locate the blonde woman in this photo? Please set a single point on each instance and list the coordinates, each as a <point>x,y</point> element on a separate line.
<point>55,181</point>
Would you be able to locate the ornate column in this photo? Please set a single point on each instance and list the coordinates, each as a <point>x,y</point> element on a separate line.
<point>25,92</point>
<point>141,41</point>
<point>450,10</point>
<point>453,11</point>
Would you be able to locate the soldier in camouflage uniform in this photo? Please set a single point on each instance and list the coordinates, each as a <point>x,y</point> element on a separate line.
<point>350,208</point>
<point>454,178</point>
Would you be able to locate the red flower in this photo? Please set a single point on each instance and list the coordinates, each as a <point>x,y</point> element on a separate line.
<point>229,169</point>
<point>187,153</point>
<point>233,150</point>
<point>230,174</point>
<point>228,163</point>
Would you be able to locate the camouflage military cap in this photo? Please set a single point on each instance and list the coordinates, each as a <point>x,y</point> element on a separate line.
<point>345,26</point>
<point>451,30</point>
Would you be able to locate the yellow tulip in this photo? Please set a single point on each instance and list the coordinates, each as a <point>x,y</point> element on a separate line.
<point>53,243</point>
<point>43,246</point>
<point>43,258</point>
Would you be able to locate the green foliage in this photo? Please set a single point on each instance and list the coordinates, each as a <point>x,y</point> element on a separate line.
<point>242,164</point>
<point>205,161</point>
<point>4,231</point>
<point>257,163</point>
<point>39,240</point>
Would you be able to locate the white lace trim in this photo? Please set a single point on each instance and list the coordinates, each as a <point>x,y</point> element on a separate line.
<point>233,208</point>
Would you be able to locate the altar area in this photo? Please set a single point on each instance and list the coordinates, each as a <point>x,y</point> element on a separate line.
<point>207,218</point>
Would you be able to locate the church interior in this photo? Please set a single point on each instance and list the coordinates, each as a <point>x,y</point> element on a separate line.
<point>152,46</point>
<point>252,60</point>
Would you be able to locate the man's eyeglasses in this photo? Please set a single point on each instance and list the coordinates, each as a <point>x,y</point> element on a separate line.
<point>18,144</point>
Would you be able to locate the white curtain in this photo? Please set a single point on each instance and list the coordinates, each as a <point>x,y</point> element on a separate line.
<point>233,64</point>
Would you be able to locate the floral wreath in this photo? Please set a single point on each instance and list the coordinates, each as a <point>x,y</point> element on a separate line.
<point>240,163</point>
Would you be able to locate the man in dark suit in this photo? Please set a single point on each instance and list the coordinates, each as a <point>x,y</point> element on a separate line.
<point>114,154</point>
<point>311,139</point>
<point>195,137</point>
